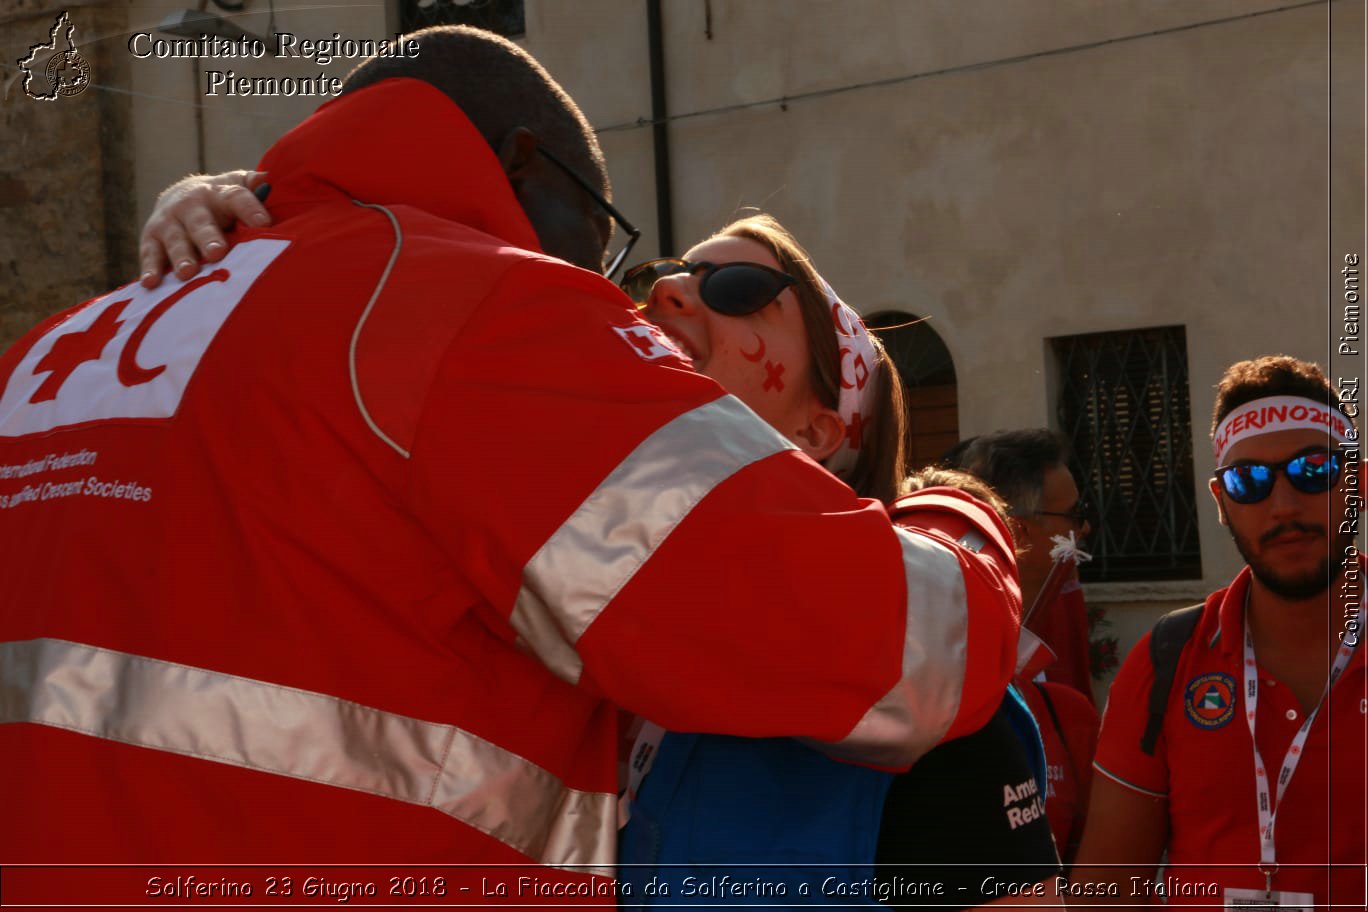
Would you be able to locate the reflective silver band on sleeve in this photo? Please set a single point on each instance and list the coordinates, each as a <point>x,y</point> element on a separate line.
<point>305,735</point>
<point>914,716</point>
<point>1130,785</point>
<point>595,552</point>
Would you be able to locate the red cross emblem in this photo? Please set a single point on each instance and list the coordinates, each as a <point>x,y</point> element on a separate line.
<point>774,376</point>
<point>855,431</point>
<point>648,342</point>
<point>644,344</point>
<point>72,350</point>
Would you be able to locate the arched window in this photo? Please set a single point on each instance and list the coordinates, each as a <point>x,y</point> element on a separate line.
<point>928,374</point>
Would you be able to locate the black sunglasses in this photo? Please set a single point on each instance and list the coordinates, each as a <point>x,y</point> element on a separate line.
<point>1311,471</point>
<point>627,228</point>
<point>733,289</point>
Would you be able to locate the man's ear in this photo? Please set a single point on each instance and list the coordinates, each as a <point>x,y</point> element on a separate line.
<point>518,154</point>
<point>1214,487</point>
<point>822,435</point>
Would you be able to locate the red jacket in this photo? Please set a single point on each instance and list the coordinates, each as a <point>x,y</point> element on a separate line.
<point>347,548</point>
<point>1062,624</point>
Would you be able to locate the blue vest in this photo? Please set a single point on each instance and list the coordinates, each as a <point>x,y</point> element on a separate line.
<point>722,820</point>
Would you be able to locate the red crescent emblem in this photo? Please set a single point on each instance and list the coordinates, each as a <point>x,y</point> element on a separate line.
<point>759,352</point>
<point>844,384</point>
<point>131,373</point>
<point>839,318</point>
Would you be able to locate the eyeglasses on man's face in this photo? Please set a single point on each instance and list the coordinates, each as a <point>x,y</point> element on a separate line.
<point>1078,516</point>
<point>626,234</point>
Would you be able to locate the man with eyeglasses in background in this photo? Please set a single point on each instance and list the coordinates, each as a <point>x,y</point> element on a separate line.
<point>1253,776</point>
<point>1029,468</point>
<point>349,546</point>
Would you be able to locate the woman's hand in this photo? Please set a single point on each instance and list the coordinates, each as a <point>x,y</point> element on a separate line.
<point>188,222</point>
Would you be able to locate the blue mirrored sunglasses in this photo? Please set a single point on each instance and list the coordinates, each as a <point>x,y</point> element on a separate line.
<point>1311,472</point>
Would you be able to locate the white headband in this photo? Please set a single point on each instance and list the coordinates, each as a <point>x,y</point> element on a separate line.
<point>859,364</point>
<point>1276,413</point>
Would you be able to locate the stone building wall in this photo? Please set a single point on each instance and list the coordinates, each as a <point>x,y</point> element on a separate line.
<point>66,167</point>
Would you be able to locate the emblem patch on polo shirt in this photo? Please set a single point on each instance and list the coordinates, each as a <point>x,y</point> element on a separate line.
<point>1210,700</point>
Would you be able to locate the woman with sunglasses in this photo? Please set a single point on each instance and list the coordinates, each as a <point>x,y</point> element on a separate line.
<point>748,308</point>
<point>751,311</point>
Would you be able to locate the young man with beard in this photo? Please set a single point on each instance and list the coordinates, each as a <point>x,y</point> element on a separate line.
<point>1255,785</point>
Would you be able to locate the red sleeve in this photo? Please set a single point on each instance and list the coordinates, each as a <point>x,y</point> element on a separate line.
<point>645,535</point>
<point>982,545</point>
<point>1123,723</point>
<point>1078,723</point>
<point>1063,625</point>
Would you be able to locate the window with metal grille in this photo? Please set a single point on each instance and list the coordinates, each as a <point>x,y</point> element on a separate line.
<point>504,17</point>
<point>1123,404</point>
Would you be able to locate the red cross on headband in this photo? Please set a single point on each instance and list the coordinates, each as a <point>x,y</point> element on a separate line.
<point>859,362</point>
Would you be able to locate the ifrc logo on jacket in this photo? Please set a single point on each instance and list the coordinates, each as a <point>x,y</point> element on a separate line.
<point>131,353</point>
<point>649,343</point>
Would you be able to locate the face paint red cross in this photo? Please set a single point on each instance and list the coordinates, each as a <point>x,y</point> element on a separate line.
<point>773,376</point>
<point>855,431</point>
<point>74,349</point>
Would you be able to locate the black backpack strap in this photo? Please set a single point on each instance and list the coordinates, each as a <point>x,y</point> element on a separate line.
<point>1059,729</point>
<point>1167,640</point>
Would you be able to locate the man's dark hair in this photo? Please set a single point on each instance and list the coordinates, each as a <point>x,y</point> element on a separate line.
<point>1014,463</point>
<point>1271,375</point>
<point>499,86</point>
<point>953,458</point>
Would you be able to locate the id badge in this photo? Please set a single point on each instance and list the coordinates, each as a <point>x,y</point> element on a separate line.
<point>1261,901</point>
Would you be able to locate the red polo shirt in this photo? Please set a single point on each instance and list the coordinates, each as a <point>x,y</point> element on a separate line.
<point>1204,762</point>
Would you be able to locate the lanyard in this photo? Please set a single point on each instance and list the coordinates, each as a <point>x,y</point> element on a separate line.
<point>1268,808</point>
<point>639,764</point>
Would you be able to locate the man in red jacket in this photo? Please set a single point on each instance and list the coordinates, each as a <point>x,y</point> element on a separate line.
<point>348,547</point>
